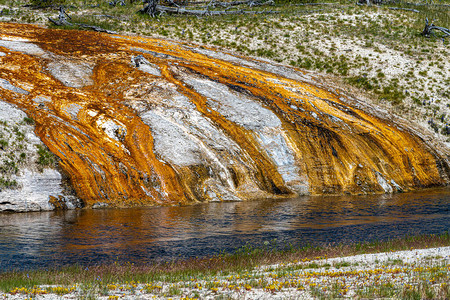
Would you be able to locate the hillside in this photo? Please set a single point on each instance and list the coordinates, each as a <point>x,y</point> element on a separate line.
<point>141,121</point>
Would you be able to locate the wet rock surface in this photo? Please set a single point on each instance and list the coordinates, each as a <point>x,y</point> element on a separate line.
<point>141,121</point>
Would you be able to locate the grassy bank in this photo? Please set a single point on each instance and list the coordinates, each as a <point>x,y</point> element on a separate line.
<point>101,279</point>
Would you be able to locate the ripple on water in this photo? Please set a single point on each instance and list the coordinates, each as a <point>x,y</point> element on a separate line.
<point>32,240</point>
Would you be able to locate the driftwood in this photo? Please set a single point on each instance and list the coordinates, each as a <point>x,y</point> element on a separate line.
<point>428,30</point>
<point>407,9</point>
<point>63,20</point>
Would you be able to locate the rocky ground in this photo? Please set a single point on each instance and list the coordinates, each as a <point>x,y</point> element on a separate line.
<point>422,273</point>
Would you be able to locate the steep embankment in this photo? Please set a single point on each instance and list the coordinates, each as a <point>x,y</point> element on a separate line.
<point>138,121</point>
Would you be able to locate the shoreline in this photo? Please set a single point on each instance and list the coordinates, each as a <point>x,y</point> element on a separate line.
<point>342,277</point>
<point>306,273</point>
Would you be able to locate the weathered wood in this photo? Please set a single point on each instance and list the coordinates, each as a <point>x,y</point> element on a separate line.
<point>407,9</point>
<point>62,20</point>
<point>425,4</point>
<point>115,2</point>
<point>369,2</point>
<point>197,12</point>
<point>428,30</point>
<point>250,3</point>
<point>95,28</point>
<point>150,7</point>
<point>313,4</point>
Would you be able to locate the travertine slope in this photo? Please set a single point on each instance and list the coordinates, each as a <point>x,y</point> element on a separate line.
<point>137,121</point>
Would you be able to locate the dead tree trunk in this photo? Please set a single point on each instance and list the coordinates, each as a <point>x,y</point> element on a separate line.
<point>150,7</point>
<point>62,18</point>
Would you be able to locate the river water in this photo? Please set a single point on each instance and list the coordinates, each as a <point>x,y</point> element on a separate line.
<point>39,240</point>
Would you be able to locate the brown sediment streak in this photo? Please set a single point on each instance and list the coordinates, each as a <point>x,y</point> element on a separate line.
<point>124,171</point>
<point>108,151</point>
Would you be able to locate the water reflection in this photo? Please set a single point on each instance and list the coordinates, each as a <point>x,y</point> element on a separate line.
<point>142,234</point>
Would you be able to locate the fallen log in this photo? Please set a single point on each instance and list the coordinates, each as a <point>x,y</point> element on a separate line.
<point>153,10</point>
<point>428,30</point>
<point>313,4</point>
<point>62,20</point>
<point>250,3</point>
<point>407,9</point>
<point>196,12</point>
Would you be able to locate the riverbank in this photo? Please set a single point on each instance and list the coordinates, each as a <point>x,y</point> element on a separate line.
<point>411,267</point>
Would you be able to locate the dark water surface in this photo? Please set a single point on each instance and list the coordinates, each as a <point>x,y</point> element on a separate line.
<point>34,240</point>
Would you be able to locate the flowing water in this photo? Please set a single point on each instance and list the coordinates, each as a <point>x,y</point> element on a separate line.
<point>39,240</point>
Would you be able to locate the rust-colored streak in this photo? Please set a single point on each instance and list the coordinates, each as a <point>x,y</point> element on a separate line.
<point>265,172</point>
<point>109,152</point>
<point>328,152</point>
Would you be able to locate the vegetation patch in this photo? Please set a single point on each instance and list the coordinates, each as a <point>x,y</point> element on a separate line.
<point>45,157</point>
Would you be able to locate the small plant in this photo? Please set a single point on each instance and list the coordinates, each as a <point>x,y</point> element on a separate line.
<point>28,121</point>
<point>3,144</point>
<point>341,264</point>
<point>7,183</point>
<point>45,157</point>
